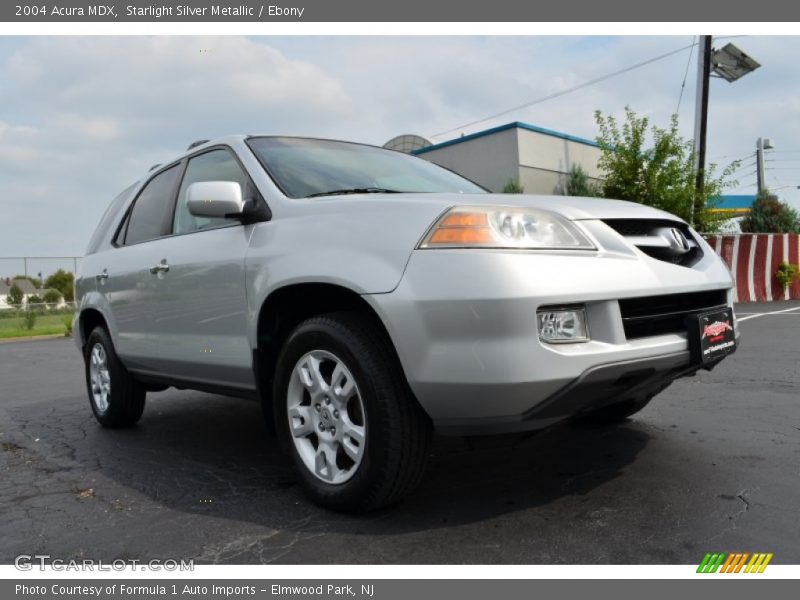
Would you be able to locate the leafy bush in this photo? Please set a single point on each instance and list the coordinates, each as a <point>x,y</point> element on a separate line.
<point>513,186</point>
<point>15,295</point>
<point>67,320</point>
<point>579,184</point>
<point>786,273</point>
<point>770,215</point>
<point>28,320</point>
<point>52,297</point>
<point>35,300</point>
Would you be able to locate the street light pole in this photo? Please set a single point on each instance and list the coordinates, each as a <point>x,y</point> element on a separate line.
<point>701,117</point>
<point>728,63</point>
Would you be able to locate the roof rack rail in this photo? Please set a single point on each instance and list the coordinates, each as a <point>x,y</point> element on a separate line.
<point>154,167</point>
<point>196,144</point>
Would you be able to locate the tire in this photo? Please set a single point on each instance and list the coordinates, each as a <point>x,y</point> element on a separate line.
<point>369,398</point>
<point>116,398</point>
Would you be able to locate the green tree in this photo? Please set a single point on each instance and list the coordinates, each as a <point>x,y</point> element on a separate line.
<point>658,170</point>
<point>15,295</point>
<point>513,186</point>
<point>769,215</point>
<point>63,281</point>
<point>579,184</point>
<point>52,296</point>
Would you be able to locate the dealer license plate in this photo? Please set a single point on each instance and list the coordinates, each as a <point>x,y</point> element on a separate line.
<point>711,335</point>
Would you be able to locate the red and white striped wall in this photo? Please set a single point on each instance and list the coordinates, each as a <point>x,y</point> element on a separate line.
<point>753,258</point>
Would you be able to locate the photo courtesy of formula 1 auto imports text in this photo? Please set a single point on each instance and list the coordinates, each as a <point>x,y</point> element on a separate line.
<point>336,299</point>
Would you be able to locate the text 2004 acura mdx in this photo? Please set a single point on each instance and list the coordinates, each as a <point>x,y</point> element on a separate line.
<point>367,297</point>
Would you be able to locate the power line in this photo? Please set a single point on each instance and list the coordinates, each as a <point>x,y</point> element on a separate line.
<point>685,75</point>
<point>585,84</point>
<point>735,157</point>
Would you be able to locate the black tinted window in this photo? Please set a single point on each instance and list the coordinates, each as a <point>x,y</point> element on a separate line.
<point>153,208</point>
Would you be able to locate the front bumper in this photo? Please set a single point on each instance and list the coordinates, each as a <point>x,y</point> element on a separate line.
<point>464,326</point>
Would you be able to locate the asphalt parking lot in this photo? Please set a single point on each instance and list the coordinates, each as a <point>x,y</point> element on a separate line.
<point>712,464</point>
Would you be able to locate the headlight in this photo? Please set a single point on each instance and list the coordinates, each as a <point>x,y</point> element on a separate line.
<point>505,227</point>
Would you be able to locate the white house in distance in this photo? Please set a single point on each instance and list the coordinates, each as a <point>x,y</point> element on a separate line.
<point>28,290</point>
<point>535,157</point>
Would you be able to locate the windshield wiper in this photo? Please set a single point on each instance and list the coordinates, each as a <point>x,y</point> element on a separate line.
<point>366,190</point>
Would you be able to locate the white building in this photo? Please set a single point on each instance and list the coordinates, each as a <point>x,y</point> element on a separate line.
<point>537,158</point>
<point>28,290</point>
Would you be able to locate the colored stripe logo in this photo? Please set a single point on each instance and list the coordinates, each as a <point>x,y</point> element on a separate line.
<point>738,562</point>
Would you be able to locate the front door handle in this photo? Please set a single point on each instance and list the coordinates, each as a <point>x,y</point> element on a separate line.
<point>101,276</point>
<point>162,267</point>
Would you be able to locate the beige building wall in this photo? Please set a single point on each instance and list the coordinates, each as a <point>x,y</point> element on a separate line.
<point>545,160</point>
<point>490,160</point>
<point>538,161</point>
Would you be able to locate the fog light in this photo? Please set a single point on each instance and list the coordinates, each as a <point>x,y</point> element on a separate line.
<point>562,325</point>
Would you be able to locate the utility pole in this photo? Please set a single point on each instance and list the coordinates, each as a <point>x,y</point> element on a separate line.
<point>761,179</point>
<point>701,117</point>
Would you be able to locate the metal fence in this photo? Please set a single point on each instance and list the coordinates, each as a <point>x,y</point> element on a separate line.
<point>38,267</point>
<point>33,266</point>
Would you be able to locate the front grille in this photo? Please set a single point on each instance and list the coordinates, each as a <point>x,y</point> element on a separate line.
<point>657,315</point>
<point>657,239</point>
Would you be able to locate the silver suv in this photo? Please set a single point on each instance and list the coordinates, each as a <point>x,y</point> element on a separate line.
<point>367,298</point>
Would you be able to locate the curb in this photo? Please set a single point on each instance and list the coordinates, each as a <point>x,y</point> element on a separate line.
<point>31,338</point>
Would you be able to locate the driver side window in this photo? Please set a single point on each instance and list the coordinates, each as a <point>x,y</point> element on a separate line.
<point>215,165</point>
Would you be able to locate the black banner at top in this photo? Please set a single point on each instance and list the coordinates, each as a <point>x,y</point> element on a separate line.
<point>399,11</point>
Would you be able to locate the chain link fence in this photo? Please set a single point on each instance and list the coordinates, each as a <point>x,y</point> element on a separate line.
<point>33,266</point>
<point>36,312</point>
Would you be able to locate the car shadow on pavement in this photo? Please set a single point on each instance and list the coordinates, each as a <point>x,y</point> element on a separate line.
<point>211,456</point>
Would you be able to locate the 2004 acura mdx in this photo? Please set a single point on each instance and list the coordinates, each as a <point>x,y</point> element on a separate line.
<point>367,297</point>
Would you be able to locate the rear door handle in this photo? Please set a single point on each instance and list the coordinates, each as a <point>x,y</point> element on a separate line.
<point>162,267</point>
<point>101,276</point>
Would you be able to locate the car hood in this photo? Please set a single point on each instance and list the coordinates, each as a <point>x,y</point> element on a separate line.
<point>364,241</point>
<point>571,207</point>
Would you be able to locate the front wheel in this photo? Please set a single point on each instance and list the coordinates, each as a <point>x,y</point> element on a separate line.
<point>116,398</point>
<point>344,412</point>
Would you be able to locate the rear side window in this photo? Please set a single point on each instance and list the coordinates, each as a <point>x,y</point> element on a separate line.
<point>152,210</point>
<point>104,229</point>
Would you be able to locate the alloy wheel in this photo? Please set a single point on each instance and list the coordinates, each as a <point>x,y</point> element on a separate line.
<point>326,414</point>
<point>99,377</point>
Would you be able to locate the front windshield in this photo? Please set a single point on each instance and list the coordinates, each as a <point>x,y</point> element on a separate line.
<point>307,167</point>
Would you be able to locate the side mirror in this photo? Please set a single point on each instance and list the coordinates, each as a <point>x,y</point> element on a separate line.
<point>215,199</point>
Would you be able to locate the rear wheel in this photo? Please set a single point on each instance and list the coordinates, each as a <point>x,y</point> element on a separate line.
<point>344,412</point>
<point>116,398</point>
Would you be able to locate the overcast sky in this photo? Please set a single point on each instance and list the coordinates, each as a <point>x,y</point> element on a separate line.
<point>83,117</point>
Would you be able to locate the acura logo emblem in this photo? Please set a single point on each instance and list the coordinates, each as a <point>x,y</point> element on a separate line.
<point>677,241</point>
